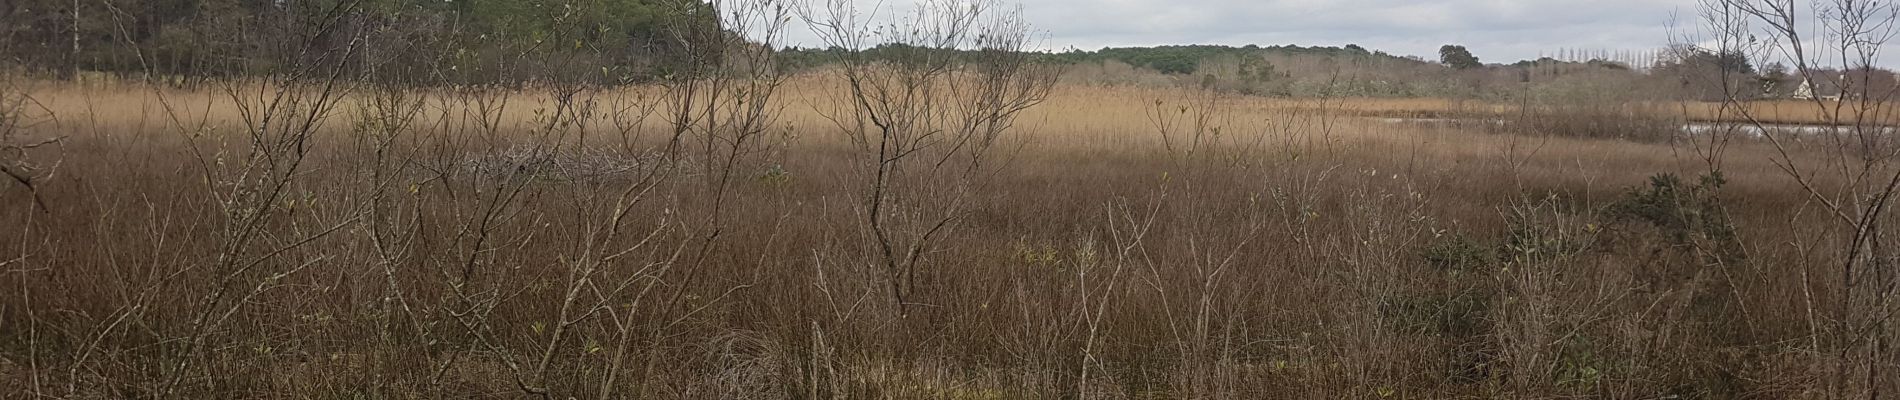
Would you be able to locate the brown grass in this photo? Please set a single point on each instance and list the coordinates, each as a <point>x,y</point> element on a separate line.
<point>1302,253</point>
<point>1804,112</point>
<point>1810,112</point>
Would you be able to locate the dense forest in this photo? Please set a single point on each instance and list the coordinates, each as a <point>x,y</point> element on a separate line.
<point>459,41</point>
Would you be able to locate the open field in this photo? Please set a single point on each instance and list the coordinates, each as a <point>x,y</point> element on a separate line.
<point>1290,249</point>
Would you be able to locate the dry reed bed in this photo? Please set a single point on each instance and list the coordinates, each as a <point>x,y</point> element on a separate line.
<point>1291,254</point>
<point>1774,112</point>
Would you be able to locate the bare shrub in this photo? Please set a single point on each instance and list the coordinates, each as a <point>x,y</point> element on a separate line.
<point>1850,300</point>
<point>926,122</point>
<point>20,114</point>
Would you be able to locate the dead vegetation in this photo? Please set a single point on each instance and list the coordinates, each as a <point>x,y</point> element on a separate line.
<point>917,228</point>
<point>1271,252</point>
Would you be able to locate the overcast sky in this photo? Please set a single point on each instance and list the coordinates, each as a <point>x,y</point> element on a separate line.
<point>1497,31</point>
<point>1494,30</point>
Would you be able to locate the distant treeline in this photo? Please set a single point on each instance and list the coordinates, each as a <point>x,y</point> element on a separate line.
<point>1181,60</point>
<point>1188,59</point>
<point>1352,70</point>
<point>411,40</point>
<point>430,42</point>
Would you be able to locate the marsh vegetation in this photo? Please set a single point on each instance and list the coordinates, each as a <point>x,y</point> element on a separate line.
<point>377,204</point>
